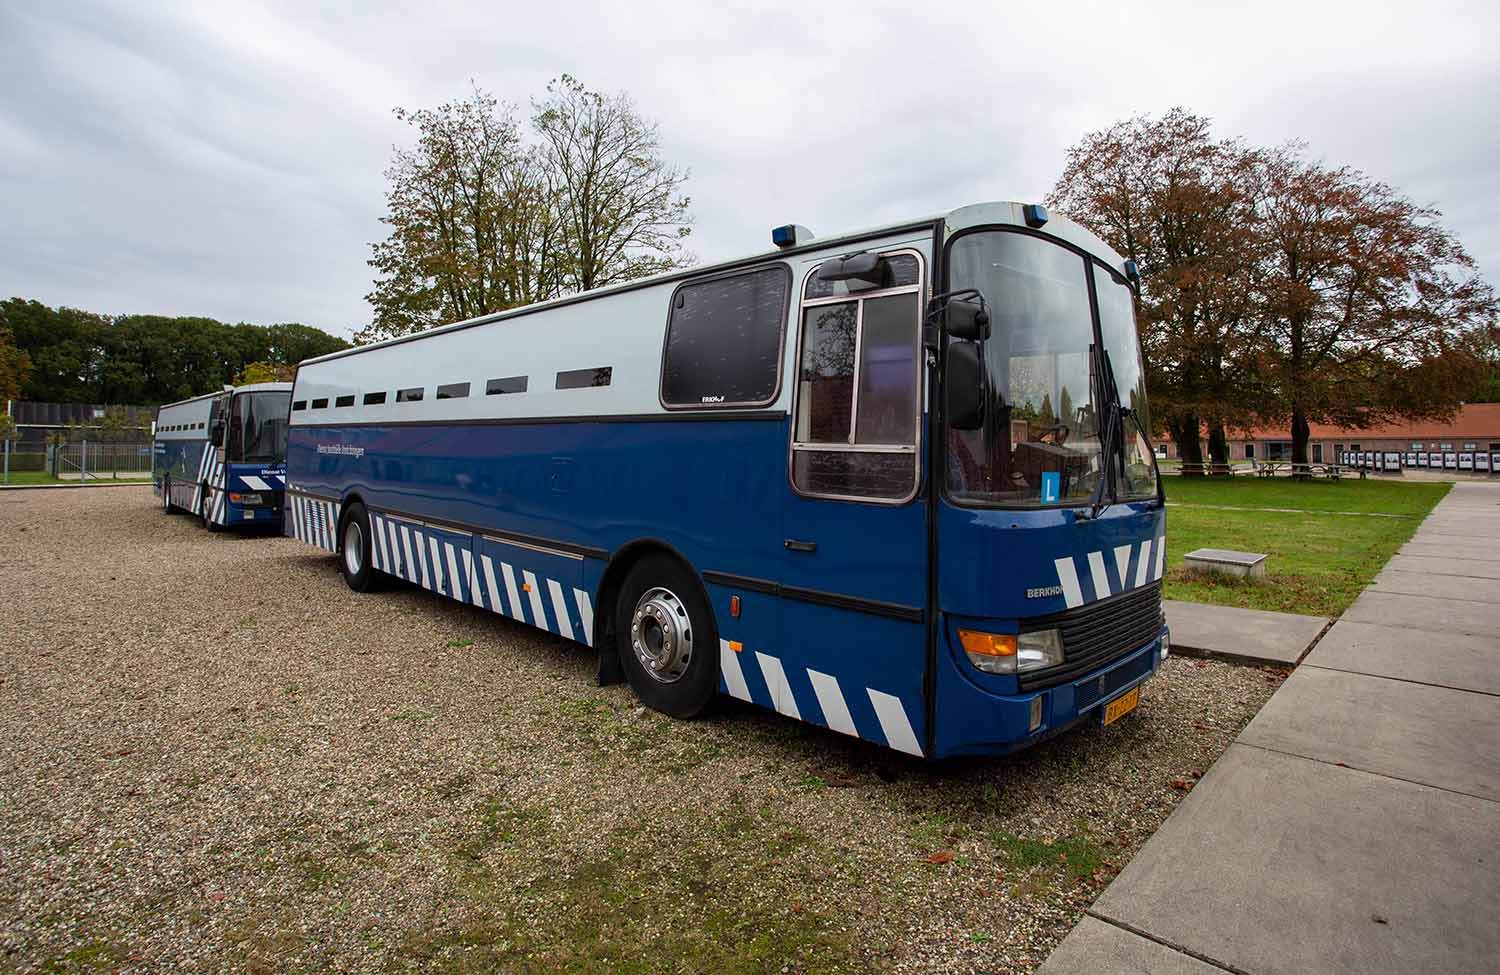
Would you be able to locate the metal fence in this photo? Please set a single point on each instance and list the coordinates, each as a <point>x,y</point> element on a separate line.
<point>85,461</point>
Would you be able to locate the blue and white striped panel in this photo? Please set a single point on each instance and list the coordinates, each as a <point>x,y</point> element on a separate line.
<point>882,719</point>
<point>543,589</point>
<point>1102,574</point>
<point>313,520</point>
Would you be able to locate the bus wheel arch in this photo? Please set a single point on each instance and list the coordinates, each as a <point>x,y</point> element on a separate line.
<point>657,570</point>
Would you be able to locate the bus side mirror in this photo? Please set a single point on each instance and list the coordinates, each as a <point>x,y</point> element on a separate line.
<point>964,386</point>
<point>863,266</point>
<point>968,320</point>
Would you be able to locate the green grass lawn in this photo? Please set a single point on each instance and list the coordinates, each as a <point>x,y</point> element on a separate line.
<point>43,477</point>
<point>1319,559</point>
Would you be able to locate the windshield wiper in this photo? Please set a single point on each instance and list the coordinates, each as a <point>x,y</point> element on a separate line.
<point>1115,415</point>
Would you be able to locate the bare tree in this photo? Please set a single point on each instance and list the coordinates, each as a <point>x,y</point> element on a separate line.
<point>472,222</point>
<point>622,211</point>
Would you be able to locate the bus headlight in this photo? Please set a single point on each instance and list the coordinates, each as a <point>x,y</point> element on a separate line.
<point>1007,653</point>
<point>1038,649</point>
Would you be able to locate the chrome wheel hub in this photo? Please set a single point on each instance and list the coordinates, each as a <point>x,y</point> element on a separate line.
<point>661,634</point>
<point>354,548</point>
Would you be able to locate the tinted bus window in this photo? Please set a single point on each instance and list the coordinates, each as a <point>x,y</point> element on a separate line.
<point>724,340</point>
<point>453,391</point>
<point>584,378</point>
<point>512,384</point>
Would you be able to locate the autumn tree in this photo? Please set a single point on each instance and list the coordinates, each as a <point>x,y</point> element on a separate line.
<point>15,366</point>
<point>621,206</point>
<point>486,215</point>
<point>261,371</point>
<point>1166,194</point>
<point>1370,307</point>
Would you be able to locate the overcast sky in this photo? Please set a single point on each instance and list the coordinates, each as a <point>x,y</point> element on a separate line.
<point>206,158</point>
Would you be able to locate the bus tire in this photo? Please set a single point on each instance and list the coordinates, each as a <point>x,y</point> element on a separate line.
<point>354,549</point>
<point>166,495</point>
<point>666,638</point>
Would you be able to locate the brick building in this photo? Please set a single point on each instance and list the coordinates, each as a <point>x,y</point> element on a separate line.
<point>1476,427</point>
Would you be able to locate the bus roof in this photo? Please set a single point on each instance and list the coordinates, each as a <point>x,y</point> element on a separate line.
<point>247,388</point>
<point>978,214</point>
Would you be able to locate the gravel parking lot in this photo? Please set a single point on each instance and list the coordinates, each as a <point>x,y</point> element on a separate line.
<point>218,758</point>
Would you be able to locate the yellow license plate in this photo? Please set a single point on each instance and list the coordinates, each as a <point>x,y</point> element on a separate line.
<point>1121,706</point>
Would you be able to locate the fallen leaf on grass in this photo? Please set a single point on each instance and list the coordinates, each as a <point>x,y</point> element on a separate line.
<point>941,856</point>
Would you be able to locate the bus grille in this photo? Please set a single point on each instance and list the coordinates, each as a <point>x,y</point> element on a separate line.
<point>1098,633</point>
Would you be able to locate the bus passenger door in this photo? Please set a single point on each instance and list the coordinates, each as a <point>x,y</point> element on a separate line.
<point>854,578</point>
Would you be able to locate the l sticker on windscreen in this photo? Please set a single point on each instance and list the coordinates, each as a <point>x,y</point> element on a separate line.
<point>1051,487</point>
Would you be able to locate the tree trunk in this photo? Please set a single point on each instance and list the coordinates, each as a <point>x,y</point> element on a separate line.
<point>1301,433</point>
<point>1185,431</point>
<point>1218,447</point>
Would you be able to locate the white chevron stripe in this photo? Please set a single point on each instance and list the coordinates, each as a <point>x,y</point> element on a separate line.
<point>534,592</point>
<point>333,526</point>
<point>1144,565</point>
<point>489,584</point>
<point>1161,555</point>
<point>585,614</point>
<point>421,547</point>
<point>781,692</point>
<point>390,529</point>
<point>512,592</point>
<point>1101,578</point>
<point>254,483</point>
<point>831,700</point>
<point>454,588</point>
<point>408,567</point>
<point>729,667</point>
<point>1067,577</point>
<point>894,723</point>
<point>1122,562</point>
<point>560,607</point>
<point>377,528</point>
<point>469,579</point>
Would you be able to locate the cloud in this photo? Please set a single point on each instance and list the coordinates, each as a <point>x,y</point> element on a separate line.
<point>226,160</point>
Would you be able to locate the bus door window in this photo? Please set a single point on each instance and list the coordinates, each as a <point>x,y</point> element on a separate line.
<point>857,396</point>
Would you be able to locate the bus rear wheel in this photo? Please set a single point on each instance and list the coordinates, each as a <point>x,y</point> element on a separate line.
<point>166,495</point>
<point>354,549</point>
<point>666,639</point>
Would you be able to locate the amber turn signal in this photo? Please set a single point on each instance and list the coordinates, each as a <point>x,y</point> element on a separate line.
<point>988,644</point>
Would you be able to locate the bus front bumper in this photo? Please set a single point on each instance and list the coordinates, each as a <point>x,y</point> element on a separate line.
<point>972,720</point>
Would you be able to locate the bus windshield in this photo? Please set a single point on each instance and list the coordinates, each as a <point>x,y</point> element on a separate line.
<point>257,427</point>
<point>1039,444</point>
<point>1137,474</point>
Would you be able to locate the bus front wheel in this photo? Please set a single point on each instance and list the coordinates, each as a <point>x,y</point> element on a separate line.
<point>354,549</point>
<point>667,641</point>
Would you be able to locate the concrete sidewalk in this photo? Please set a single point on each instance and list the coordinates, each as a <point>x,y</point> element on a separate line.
<point>1353,825</point>
<point>1242,636</point>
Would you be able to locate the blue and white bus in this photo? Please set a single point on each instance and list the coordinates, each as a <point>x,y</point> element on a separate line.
<point>222,456</point>
<point>896,483</point>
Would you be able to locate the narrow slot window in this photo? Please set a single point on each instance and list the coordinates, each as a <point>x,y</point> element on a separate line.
<point>453,391</point>
<point>375,399</point>
<point>299,406</point>
<point>409,395</point>
<point>585,378</point>
<point>321,403</point>
<point>343,401</point>
<point>511,384</point>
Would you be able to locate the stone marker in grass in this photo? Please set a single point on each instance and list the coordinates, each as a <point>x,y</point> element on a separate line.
<point>1241,565</point>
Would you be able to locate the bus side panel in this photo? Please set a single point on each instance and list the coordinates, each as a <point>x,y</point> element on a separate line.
<point>710,489</point>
